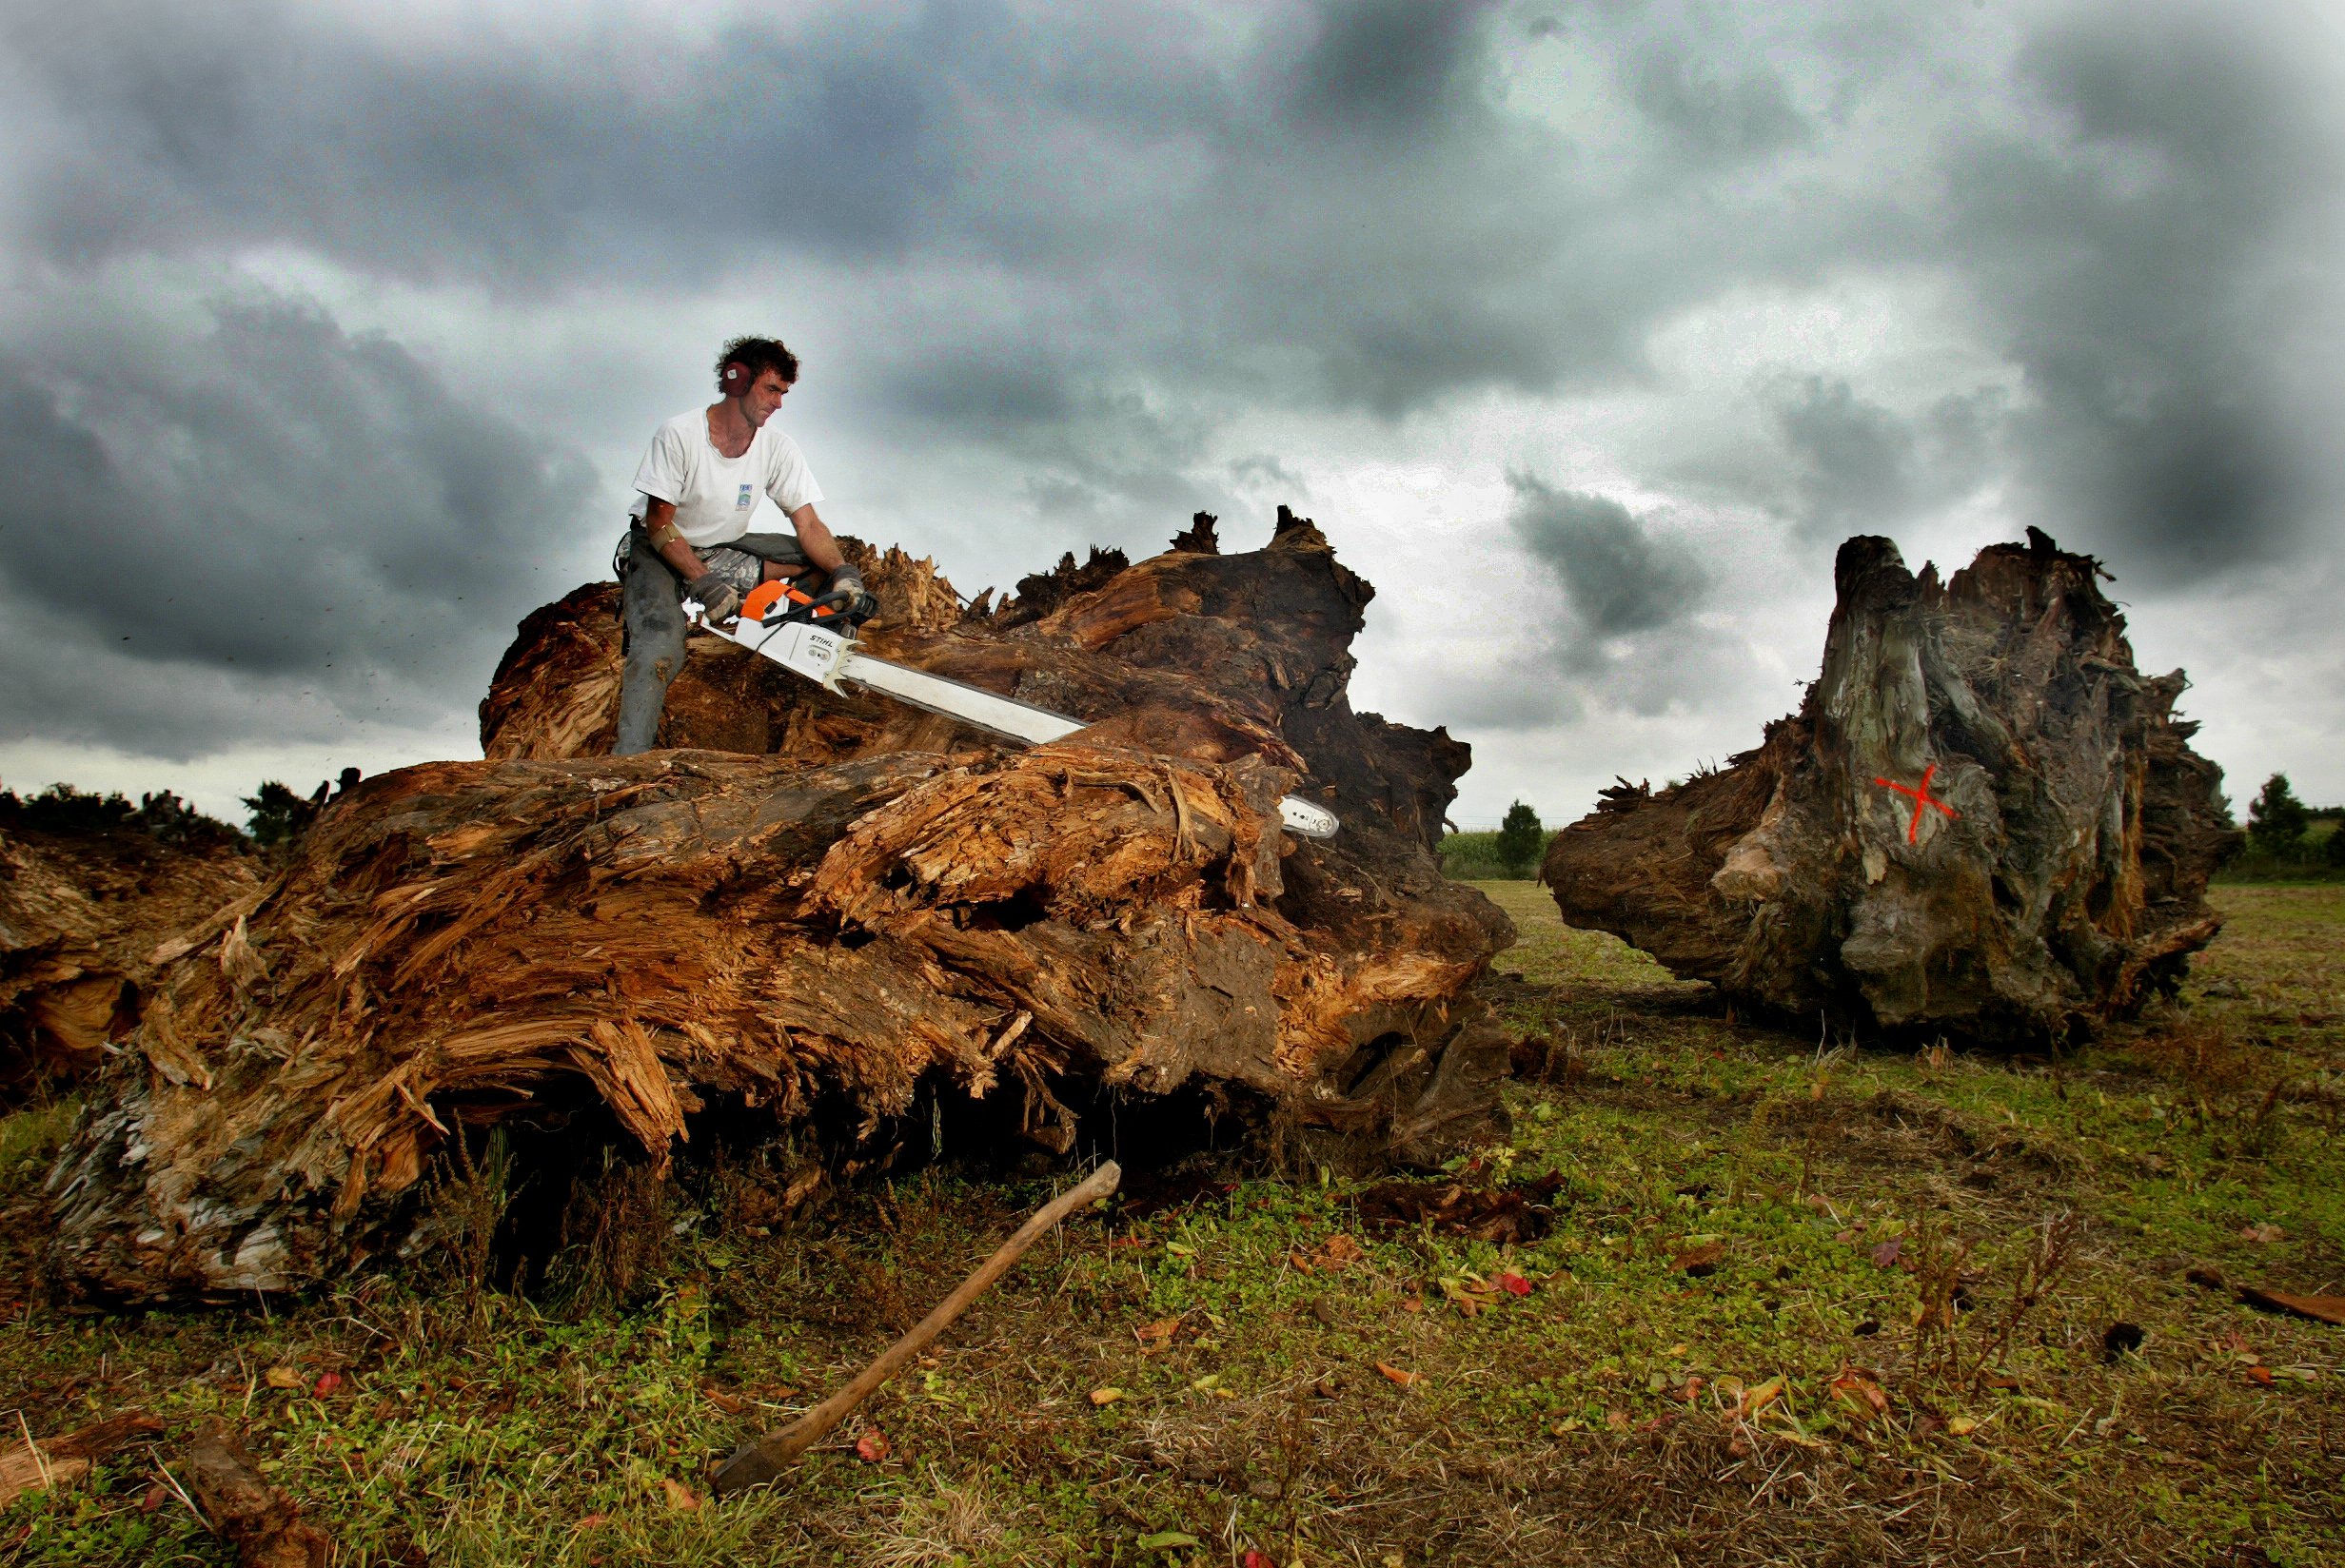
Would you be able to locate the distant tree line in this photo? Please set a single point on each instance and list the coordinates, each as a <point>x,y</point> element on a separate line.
<point>2285,837</point>
<point>276,818</point>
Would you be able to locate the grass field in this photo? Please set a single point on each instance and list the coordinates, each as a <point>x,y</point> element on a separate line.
<point>1799,1303</point>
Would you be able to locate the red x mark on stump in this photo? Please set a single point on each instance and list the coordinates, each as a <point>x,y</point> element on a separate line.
<point>1922,798</point>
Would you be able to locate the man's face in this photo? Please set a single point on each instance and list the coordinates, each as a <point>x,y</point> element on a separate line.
<point>763,397</point>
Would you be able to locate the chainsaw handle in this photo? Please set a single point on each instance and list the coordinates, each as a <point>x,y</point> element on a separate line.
<point>846,601</point>
<point>807,609</point>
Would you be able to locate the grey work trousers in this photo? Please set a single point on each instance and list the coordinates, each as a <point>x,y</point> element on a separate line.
<point>651,613</point>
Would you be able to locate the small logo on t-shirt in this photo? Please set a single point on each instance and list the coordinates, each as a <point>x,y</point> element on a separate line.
<point>748,497</point>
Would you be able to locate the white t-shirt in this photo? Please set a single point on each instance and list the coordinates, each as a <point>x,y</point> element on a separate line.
<point>715,495</point>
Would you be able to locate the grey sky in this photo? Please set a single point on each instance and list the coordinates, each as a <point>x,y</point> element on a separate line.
<point>330,336</point>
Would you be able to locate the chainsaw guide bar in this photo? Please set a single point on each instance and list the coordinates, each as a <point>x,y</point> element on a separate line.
<point>828,658</point>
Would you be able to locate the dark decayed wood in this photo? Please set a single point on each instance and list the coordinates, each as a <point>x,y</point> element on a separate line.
<point>259,1523</point>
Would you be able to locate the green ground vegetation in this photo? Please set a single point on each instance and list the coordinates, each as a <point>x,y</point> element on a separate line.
<point>1478,857</point>
<point>1800,1302</point>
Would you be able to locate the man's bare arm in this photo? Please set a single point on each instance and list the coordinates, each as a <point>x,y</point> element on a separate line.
<point>814,537</point>
<point>672,549</point>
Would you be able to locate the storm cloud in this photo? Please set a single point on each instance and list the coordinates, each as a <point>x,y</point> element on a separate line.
<point>1616,576</point>
<point>333,315</point>
<point>273,498</point>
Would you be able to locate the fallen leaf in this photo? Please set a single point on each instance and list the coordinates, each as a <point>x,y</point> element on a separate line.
<point>1756,1400</point>
<point>1861,1394</point>
<point>1468,1298</point>
<point>1793,1432</point>
<point>1691,1392</point>
<point>282,1377</point>
<point>326,1383</point>
<point>2002,1379</point>
<point>1257,1560</point>
<point>1404,1379</point>
<point>1413,1303</point>
<point>2264,1231</point>
<point>2260,1375</point>
<point>1163,1539</point>
<point>153,1498</point>
<point>730,1404</point>
<point>1106,1396</point>
<point>1207,1383</point>
<point>1513,1284</point>
<point>1885,1255</point>
<point>1616,1419</point>
<point>872,1446</point>
<point>681,1498</point>
<point>592,1521</point>
<point>1159,1334</point>
<point>1341,1249</point>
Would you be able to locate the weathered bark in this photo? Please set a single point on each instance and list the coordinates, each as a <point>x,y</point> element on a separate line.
<point>872,908</point>
<point>2069,885</point>
<point>82,914</point>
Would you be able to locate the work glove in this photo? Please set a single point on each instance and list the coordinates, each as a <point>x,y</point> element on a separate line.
<point>720,599</point>
<point>862,606</point>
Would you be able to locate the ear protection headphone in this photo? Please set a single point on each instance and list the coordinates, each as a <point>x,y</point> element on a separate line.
<point>732,372</point>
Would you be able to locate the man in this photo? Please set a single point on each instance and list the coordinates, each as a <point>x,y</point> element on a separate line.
<point>697,489</point>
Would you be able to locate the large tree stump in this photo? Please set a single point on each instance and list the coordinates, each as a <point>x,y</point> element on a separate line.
<point>2058,883</point>
<point>870,909</point>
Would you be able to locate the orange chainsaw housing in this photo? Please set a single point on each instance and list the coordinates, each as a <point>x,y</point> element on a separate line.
<point>766,596</point>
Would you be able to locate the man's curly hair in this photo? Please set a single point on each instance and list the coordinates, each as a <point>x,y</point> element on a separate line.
<point>755,356</point>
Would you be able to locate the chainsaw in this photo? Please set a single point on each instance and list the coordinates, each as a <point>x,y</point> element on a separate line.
<point>814,637</point>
